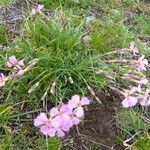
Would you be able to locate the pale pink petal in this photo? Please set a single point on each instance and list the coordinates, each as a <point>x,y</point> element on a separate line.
<point>40,7</point>
<point>45,129</point>
<point>141,68</point>
<point>147,92</point>
<point>85,101</point>
<point>34,11</point>
<point>2,83</point>
<point>145,102</point>
<point>145,62</point>
<point>2,76</point>
<point>70,123</point>
<point>54,112</point>
<point>135,50</point>
<point>56,122</point>
<point>60,133</point>
<point>75,120</point>
<point>9,65</point>
<point>129,102</point>
<point>65,126</point>
<point>74,101</point>
<point>144,80</point>
<point>79,112</point>
<point>139,88</point>
<point>2,80</point>
<point>51,132</point>
<point>20,73</point>
<point>40,120</point>
<point>21,63</point>
<point>64,108</point>
<point>133,90</point>
<point>12,59</point>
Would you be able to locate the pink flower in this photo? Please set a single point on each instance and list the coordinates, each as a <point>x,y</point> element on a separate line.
<point>129,100</point>
<point>133,48</point>
<point>38,9</point>
<point>34,11</point>
<point>60,126</point>
<point>44,124</point>
<point>2,80</point>
<point>61,118</point>
<point>141,63</point>
<point>77,104</point>
<point>66,114</point>
<point>12,61</point>
<point>61,112</point>
<point>145,99</point>
<point>72,120</point>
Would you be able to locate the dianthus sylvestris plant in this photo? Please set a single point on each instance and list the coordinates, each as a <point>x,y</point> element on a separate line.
<point>17,69</point>
<point>137,92</point>
<point>60,119</point>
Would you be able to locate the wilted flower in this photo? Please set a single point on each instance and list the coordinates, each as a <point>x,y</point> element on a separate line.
<point>52,90</point>
<point>13,62</point>
<point>2,79</point>
<point>33,87</point>
<point>32,62</point>
<point>38,9</point>
<point>145,99</point>
<point>142,63</point>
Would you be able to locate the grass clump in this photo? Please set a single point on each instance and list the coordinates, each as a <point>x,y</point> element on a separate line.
<point>63,58</point>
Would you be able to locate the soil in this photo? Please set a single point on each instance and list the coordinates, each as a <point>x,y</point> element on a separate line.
<point>99,128</point>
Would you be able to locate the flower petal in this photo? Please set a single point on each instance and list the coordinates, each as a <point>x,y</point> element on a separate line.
<point>129,102</point>
<point>34,11</point>
<point>79,112</point>
<point>40,120</point>
<point>40,7</point>
<point>20,73</point>
<point>51,132</point>
<point>85,101</point>
<point>45,129</point>
<point>60,133</point>
<point>54,112</point>
<point>9,65</point>
<point>12,60</point>
<point>75,120</point>
<point>21,63</point>
<point>74,101</point>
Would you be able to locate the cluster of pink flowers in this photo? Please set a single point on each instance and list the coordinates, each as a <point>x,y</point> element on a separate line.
<point>18,69</point>
<point>137,93</point>
<point>60,119</point>
<point>16,65</point>
<point>37,10</point>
